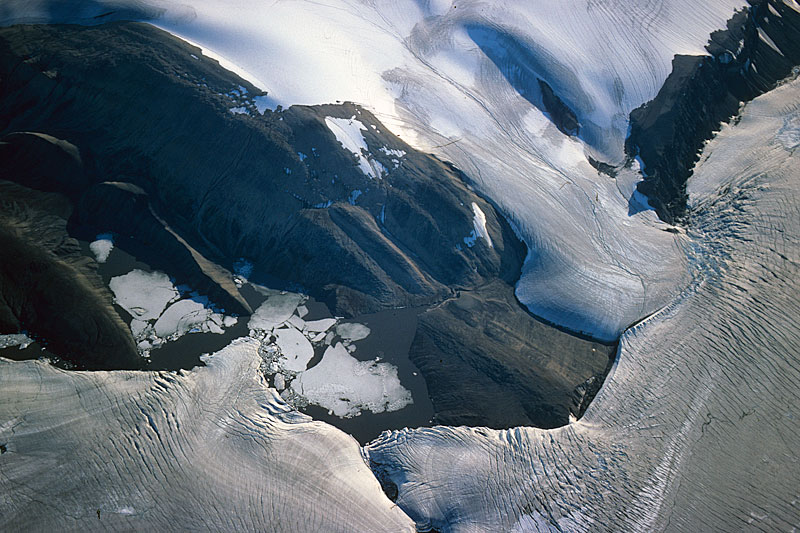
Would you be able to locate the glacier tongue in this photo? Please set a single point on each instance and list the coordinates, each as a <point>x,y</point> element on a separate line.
<point>463,81</point>
<point>212,448</point>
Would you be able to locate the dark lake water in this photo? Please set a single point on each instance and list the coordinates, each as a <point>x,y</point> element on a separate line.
<point>391,335</point>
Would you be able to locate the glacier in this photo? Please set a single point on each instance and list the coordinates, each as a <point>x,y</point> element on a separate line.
<point>695,427</point>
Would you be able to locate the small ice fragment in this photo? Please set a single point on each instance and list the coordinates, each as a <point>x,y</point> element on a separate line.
<point>320,325</point>
<point>352,331</point>
<point>102,247</point>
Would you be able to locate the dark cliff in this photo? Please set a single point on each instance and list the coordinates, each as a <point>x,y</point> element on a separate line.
<point>759,48</point>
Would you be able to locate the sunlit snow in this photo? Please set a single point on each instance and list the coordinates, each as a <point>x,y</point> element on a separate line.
<point>348,132</point>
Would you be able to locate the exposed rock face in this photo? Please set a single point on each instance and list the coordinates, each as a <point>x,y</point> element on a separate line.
<point>164,161</point>
<point>487,362</point>
<point>759,48</point>
<point>125,209</point>
<point>276,188</point>
<point>563,117</point>
<point>50,290</point>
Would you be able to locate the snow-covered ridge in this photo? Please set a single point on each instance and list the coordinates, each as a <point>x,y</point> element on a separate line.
<point>462,80</point>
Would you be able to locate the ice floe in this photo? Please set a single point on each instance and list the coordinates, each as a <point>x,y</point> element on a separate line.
<point>352,331</point>
<point>158,315</point>
<point>144,295</point>
<point>15,339</point>
<point>346,386</point>
<point>275,310</point>
<point>296,349</point>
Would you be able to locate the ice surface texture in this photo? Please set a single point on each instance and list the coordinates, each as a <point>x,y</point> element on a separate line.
<point>696,426</point>
<point>212,449</point>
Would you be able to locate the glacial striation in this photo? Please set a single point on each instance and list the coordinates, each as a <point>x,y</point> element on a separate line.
<point>696,425</point>
<point>214,449</point>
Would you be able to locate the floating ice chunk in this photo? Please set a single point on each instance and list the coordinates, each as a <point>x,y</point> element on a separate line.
<point>302,156</point>
<point>15,339</point>
<point>352,332</point>
<point>144,295</point>
<point>229,321</point>
<point>297,322</point>
<point>302,311</point>
<point>139,328</point>
<point>479,222</point>
<point>346,386</point>
<point>275,310</point>
<point>295,347</point>
<point>321,325</point>
<point>280,382</point>
<point>185,316</point>
<point>102,247</point>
